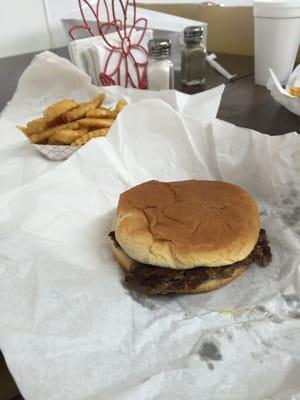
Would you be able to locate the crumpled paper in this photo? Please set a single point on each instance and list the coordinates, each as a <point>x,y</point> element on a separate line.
<point>69,329</point>
<point>281,94</point>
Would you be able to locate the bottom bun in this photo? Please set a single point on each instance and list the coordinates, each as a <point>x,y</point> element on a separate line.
<point>212,283</point>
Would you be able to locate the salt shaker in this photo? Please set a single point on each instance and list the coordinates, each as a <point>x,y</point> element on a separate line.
<point>193,57</point>
<point>160,70</point>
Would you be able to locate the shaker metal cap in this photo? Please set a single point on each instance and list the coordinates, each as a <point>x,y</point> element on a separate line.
<point>193,33</point>
<point>159,47</point>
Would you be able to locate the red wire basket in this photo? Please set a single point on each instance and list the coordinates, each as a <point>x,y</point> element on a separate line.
<point>129,31</point>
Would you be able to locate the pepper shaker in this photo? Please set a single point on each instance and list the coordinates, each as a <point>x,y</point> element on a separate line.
<point>160,70</point>
<point>193,57</point>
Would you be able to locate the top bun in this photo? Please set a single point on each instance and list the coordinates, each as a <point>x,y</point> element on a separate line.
<point>187,224</point>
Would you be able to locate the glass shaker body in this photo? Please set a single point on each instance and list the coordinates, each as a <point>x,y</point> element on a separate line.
<point>193,57</point>
<point>160,69</point>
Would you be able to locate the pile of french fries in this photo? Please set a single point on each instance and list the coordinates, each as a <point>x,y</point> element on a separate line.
<point>295,91</point>
<point>69,123</point>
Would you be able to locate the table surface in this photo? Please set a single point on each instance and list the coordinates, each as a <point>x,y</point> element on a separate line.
<point>243,103</point>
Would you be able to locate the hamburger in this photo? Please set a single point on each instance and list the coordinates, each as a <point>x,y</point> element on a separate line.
<point>188,236</point>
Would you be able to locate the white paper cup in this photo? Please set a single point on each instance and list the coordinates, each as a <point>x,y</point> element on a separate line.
<point>277,38</point>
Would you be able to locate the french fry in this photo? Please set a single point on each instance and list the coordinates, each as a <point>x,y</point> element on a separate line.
<point>96,122</point>
<point>90,135</point>
<point>57,109</point>
<point>78,113</point>
<point>97,101</point>
<point>50,119</point>
<point>36,126</point>
<point>120,105</point>
<point>101,113</point>
<point>42,138</point>
<point>83,109</point>
<point>39,125</point>
<point>295,91</point>
<point>66,136</point>
<point>65,121</point>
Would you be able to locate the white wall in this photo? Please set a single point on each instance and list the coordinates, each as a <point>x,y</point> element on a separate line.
<point>23,27</point>
<point>33,25</point>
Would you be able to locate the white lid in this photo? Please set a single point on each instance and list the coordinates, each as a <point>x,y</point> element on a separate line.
<point>277,8</point>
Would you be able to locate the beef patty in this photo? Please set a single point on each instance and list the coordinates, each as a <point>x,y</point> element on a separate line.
<point>152,279</point>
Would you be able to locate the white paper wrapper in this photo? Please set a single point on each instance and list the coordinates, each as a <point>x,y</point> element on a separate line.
<point>69,329</point>
<point>282,95</point>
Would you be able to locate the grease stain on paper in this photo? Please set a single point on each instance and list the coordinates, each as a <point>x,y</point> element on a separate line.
<point>209,351</point>
<point>262,310</point>
<point>291,212</point>
<point>287,201</point>
<point>211,366</point>
<point>291,217</point>
<point>230,337</point>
